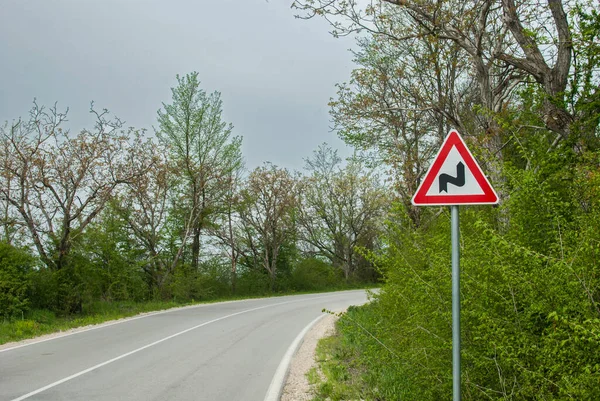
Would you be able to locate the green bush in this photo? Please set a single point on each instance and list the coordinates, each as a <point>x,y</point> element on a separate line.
<point>42,316</point>
<point>253,282</point>
<point>15,269</point>
<point>44,290</point>
<point>530,293</point>
<point>108,263</point>
<point>312,274</point>
<point>209,282</point>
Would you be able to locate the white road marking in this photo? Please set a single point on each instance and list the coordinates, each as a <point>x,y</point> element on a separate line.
<point>66,379</point>
<point>278,381</point>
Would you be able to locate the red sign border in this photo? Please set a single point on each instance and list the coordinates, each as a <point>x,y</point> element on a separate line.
<point>453,139</point>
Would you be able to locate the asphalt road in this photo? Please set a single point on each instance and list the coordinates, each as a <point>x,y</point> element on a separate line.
<point>219,352</point>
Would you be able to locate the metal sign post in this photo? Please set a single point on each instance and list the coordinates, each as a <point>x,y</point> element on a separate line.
<point>455,303</point>
<point>454,178</point>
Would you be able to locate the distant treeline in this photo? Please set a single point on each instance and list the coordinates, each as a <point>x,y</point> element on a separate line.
<point>113,214</point>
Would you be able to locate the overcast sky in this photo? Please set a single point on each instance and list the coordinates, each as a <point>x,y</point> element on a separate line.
<point>275,73</point>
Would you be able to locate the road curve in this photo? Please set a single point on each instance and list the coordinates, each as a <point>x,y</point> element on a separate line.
<point>218,352</point>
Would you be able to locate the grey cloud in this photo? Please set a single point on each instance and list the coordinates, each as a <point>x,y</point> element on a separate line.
<point>276,74</point>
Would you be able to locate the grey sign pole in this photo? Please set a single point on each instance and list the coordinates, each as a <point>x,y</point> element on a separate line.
<point>455,304</point>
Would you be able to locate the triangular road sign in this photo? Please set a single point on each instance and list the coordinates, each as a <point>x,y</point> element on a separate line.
<point>454,178</point>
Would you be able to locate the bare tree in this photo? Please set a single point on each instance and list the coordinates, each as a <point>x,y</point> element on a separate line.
<point>401,100</point>
<point>508,43</point>
<point>227,228</point>
<point>57,183</point>
<point>146,205</point>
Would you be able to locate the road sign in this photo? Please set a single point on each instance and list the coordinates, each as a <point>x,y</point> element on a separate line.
<point>454,178</point>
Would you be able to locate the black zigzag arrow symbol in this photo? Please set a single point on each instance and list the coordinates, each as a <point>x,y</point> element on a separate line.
<point>459,180</point>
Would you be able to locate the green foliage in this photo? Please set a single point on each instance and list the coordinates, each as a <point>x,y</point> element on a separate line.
<point>312,274</point>
<point>530,267</point>
<point>60,291</point>
<point>44,289</point>
<point>530,289</point>
<point>203,154</point>
<point>109,262</point>
<point>354,364</point>
<point>103,264</point>
<point>341,211</point>
<point>15,267</point>
<point>116,219</point>
<point>210,282</point>
<point>37,322</point>
<point>254,281</point>
<point>335,366</point>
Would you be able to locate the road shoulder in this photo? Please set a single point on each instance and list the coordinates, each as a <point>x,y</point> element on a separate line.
<point>297,387</point>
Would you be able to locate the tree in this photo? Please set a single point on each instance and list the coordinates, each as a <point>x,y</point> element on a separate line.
<point>109,261</point>
<point>227,228</point>
<point>530,107</point>
<point>15,267</point>
<point>146,206</point>
<point>397,110</point>
<point>202,149</point>
<point>268,202</point>
<point>340,209</point>
<point>409,89</point>
<point>55,184</point>
<point>509,44</point>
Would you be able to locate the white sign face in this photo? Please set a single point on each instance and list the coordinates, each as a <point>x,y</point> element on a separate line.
<point>455,175</point>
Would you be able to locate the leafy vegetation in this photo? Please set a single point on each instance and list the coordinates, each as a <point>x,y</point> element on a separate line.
<point>527,100</point>
<point>15,266</point>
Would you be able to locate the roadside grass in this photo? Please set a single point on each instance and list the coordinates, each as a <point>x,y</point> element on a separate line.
<point>337,375</point>
<point>39,322</point>
<point>353,365</point>
<point>35,323</point>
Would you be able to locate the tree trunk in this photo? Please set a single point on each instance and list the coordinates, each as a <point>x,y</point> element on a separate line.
<point>274,267</point>
<point>233,270</point>
<point>196,249</point>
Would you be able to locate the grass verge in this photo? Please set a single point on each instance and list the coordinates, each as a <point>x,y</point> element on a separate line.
<point>354,364</point>
<point>39,322</point>
<point>338,375</point>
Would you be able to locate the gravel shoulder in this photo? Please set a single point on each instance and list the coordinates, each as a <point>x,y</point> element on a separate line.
<point>297,387</point>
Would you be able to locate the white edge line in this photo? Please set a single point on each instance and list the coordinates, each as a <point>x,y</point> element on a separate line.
<point>278,381</point>
<point>66,379</point>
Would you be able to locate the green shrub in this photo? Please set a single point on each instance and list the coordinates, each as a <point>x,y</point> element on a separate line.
<point>530,293</point>
<point>44,289</point>
<point>253,282</point>
<point>209,282</point>
<point>42,316</point>
<point>312,274</point>
<point>15,268</point>
<point>25,328</point>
